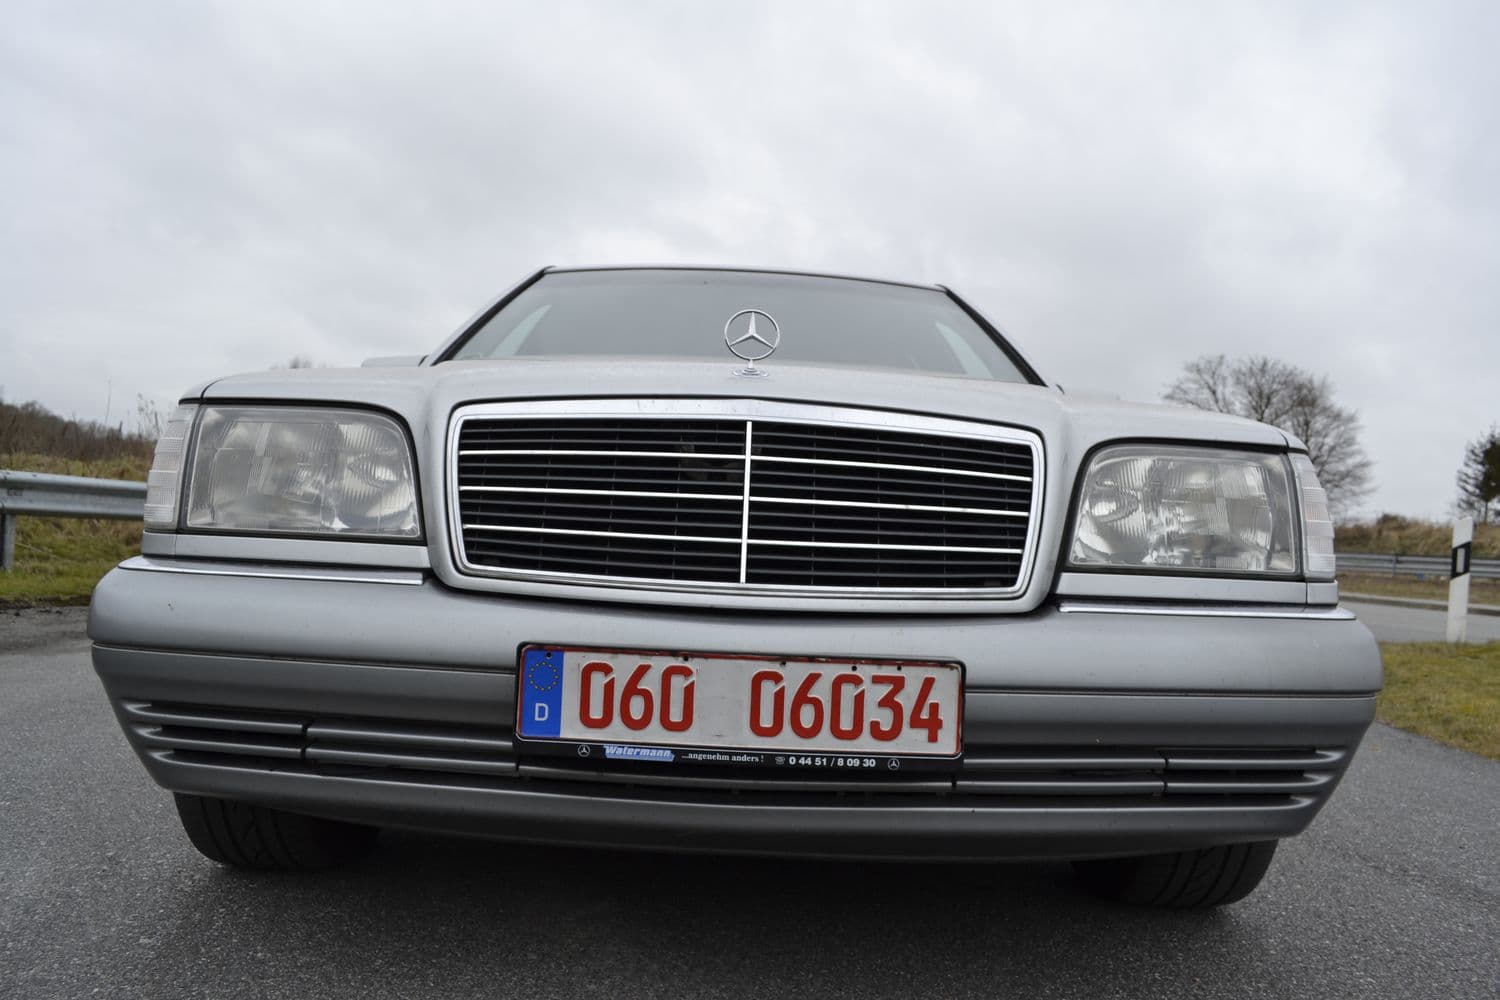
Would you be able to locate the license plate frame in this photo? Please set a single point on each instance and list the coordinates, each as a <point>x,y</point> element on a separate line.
<point>655,750</point>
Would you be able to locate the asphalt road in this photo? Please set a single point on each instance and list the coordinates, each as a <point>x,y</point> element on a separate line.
<point>1395,623</point>
<point>1394,892</point>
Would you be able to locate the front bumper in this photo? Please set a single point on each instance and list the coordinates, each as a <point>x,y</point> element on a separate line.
<point>1088,733</point>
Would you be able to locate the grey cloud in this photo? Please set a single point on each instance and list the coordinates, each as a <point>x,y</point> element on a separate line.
<point>203,188</point>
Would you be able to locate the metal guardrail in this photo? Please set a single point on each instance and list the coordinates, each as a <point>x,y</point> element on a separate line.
<point>38,494</point>
<point>1394,564</point>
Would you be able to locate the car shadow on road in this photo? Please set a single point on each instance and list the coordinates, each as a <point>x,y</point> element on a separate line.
<point>510,919</point>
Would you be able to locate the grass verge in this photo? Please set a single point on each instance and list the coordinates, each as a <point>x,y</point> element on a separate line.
<point>1432,588</point>
<point>58,560</point>
<point>1446,693</point>
<point>1412,537</point>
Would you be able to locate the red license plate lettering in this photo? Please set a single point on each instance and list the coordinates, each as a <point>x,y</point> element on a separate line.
<point>753,703</point>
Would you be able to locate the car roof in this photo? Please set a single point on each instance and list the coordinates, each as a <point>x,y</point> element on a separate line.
<point>743,270</point>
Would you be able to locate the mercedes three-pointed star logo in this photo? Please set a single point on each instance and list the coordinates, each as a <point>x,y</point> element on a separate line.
<point>748,337</point>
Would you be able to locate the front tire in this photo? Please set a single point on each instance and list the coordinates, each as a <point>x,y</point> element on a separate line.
<point>242,835</point>
<point>1185,880</point>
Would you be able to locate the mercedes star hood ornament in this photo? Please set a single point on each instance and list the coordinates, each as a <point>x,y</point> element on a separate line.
<point>753,336</point>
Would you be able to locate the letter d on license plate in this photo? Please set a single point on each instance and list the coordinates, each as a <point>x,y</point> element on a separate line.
<point>890,708</point>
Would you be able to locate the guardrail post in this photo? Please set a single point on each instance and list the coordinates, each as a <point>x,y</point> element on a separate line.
<point>40,494</point>
<point>1458,579</point>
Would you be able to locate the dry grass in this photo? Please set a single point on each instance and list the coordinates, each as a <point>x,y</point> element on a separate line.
<point>1410,537</point>
<point>1431,588</point>
<point>58,560</point>
<point>32,429</point>
<point>1446,693</point>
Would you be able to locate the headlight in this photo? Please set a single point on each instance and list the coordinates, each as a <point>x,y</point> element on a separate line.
<point>302,470</point>
<point>1169,508</point>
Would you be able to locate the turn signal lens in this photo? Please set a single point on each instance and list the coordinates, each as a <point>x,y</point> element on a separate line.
<point>163,482</point>
<point>1317,523</point>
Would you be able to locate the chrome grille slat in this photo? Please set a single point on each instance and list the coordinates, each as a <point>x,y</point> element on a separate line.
<point>835,477</point>
<point>888,445</point>
<point>877,505</point>
<point>844,502</point>
<point>603,534</point>
<point>568,561</point>
<point>927,469</point>
<point>879,546</point>
<point>565,491</point>
<point>602,453</point>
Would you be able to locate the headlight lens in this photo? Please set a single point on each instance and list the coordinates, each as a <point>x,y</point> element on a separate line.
<point>302,470</point>
<point>1152,507</point>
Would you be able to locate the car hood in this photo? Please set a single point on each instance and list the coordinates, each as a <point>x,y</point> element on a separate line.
<point>424,395</point>
<point>1069,426</point>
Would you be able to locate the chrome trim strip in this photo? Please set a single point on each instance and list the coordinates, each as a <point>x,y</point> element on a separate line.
<point>582,586</point>
<point>562,491</point>
<point>933,598</point>
<point>1299,612</point>
<point>603,534</point>
<point>1322,593</point>
<point>745,504</point>
<point>319,574</point>
<point>893,506</point>
<point>600,453</point>
<point>742,409</point>
<point>1132,588</point>
<point>565,491</point>
<point>848,463</point>
<point>881,545</point>
<point>944,470</point>
<point>304,551</point>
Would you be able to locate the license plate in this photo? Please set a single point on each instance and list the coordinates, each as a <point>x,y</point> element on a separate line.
<point>799,706</point>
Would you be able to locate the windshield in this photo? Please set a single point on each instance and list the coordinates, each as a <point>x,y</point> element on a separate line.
<point>682,314</point>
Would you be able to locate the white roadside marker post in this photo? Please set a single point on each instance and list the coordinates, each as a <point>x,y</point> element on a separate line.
<point>1458,580</point>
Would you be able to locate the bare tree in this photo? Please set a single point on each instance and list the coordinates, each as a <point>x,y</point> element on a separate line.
<point>1479,477</point>
<point>1294,400</point>
<point>296,361</point>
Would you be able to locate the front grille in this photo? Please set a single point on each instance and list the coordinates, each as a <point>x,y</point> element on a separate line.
<point>394,750</point>
<point>759,502</point>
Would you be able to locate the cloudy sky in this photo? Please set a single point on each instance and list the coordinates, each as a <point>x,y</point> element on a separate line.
<point>189,189</point>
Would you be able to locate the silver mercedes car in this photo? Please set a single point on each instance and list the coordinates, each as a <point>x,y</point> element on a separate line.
<point>749,561</point>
